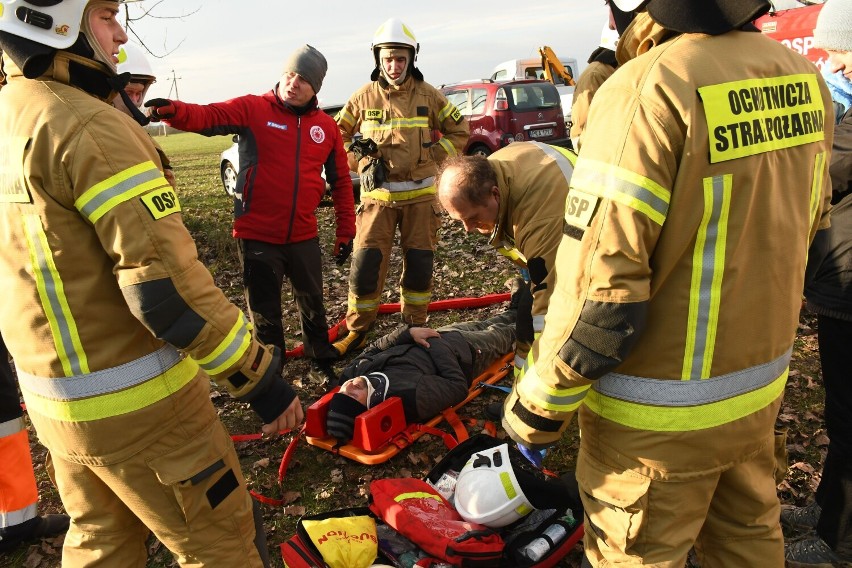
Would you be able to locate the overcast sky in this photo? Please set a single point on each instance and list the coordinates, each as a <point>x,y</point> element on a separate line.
<point>228,48</point>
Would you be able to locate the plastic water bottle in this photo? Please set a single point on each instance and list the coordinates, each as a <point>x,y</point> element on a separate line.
<point>539,547</point>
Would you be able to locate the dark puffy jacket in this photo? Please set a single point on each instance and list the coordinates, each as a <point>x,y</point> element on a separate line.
<point>830,291</point>
<point>282,155</point>
<point>427,380</point>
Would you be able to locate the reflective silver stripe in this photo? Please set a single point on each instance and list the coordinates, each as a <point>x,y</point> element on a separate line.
<point>662,392</point>
<point>408,185</point>
<point>11,427</point>
<point>12,518</point>
<point>105,381</point>
<point>612,183</point>
<point>561,159</point>
<point>51,290</point>
<point>119,189</point>
<point>706,287</point>
<point>237,344</point>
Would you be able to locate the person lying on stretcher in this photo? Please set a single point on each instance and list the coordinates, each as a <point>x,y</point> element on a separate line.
<point>430,370</point>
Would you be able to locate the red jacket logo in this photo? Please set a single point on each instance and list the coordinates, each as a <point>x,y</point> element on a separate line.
<point>317,134</point>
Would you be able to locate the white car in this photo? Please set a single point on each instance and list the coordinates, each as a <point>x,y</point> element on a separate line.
<point>229,164</point>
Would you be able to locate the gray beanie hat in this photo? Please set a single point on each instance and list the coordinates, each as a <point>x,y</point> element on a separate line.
<point>309,64</point>
<point>834,26</point>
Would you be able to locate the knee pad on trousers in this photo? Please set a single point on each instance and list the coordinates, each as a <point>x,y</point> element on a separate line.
<point>418,269</point>
<point>364,274</point>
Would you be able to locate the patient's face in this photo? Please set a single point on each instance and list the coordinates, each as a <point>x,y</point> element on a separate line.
<point>356,388</point>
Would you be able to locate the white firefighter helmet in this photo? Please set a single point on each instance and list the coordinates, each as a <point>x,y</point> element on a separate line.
<point>609,38</point>
<point>52,23</point>
<point>132,59</point>
<point>488,492</point>
<point>394,32</point>
<point>627,5</point>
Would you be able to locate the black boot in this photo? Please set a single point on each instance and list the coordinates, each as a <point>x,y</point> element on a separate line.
<point>322,371</point>
<point>45,526</point>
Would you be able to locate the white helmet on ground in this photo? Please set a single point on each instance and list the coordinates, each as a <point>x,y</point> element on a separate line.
<point>55,24</point>
<point>488,492</point>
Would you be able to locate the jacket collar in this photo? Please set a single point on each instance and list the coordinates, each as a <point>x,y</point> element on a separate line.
<point>75,70</point>
<point>642,35</point>
<point>498,235</point>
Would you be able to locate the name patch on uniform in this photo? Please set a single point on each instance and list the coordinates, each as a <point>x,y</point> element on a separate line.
<point>754,116</point>
<point>374,114</point>
<point>456,115</point>
<point>580,208</point>
<point>161,203</point>
<point>13,189</point>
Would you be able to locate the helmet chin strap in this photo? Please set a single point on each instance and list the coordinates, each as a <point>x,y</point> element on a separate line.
<point>118,83</point>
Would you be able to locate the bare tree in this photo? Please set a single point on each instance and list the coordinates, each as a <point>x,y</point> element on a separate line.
<point>134,11</point>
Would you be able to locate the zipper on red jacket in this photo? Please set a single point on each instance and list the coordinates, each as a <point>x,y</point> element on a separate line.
<point>296,180</point>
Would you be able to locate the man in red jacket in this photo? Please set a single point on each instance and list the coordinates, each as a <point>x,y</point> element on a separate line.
<point>285,142</point>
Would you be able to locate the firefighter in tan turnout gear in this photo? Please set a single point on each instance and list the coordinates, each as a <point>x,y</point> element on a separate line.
<point>509,196</point>
<point>700,184</point>
<point>116,326</point>
<point>413,127</point>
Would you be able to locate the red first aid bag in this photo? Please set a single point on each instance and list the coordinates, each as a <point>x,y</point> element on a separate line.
<point>417,511</point>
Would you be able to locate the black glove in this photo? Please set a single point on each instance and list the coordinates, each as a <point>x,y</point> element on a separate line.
<point>373,175</point>
<point>342,250</point>
<point>159,109</point>
<point>362,147</point>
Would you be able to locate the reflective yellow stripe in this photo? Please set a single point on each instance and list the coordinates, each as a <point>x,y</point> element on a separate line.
<point>708,267</point>
<point>447,146</point>
<point>382,195</point>
<point>51,291</point>
<point>416,298</point>
<point>370,126</point>
<point>230,350</point>
<point>415,495</point>
<point>684,418</point>
<point>120,188</point>
<point>363,305</point>
<point>345,117</point>
<point>816,189</point>
<point>622,186</point>
<point>512,253</point>
<point>116,403</point>
<point>554,399</point>
<point>447,111</point>
<point>508,486</point>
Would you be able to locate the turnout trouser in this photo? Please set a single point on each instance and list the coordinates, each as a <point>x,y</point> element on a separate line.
<point>377,222</point>
<point>169,468</point>
<point>265,266</point>
<point>639,514</point>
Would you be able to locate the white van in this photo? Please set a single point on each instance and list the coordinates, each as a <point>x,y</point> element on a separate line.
<point>530,68</point>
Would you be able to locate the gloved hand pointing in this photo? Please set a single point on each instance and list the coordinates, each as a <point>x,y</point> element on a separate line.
<point>159,109</point>
<point>342,249</point>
